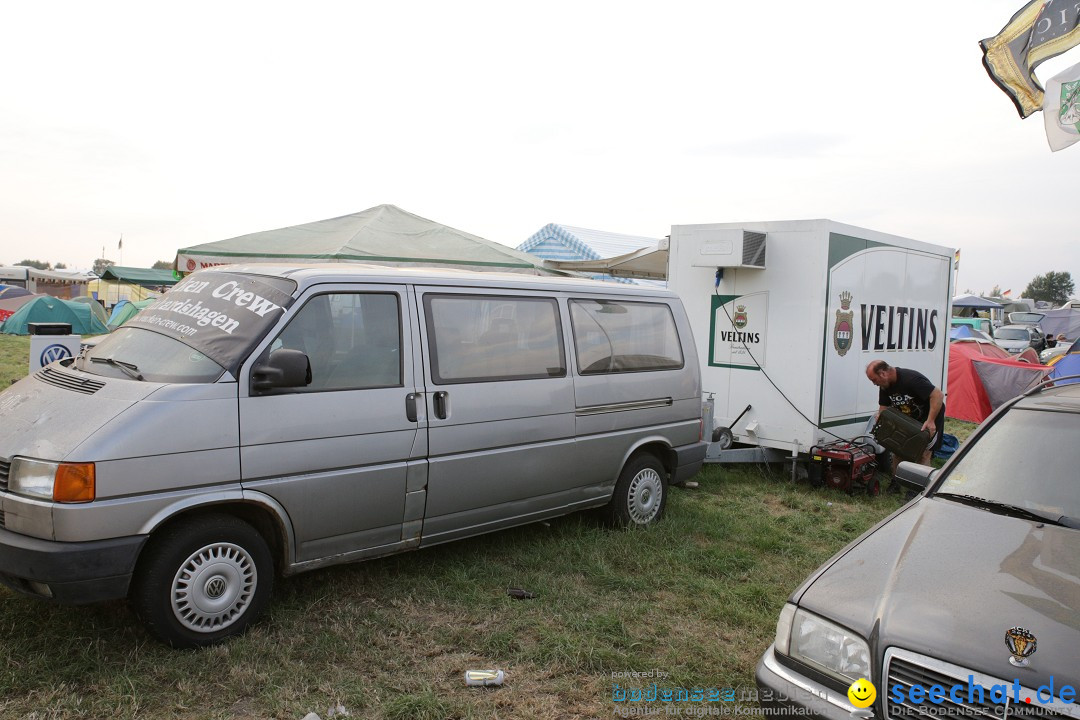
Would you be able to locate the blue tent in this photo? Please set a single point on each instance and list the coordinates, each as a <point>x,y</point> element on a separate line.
<point>1068,365</point>
<point>51,309</point>
<point>125,310</point>
<point>964,332</point>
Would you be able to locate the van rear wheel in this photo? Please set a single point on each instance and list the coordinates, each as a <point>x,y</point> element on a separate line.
<point>641,492</point>
<point>202,580</point>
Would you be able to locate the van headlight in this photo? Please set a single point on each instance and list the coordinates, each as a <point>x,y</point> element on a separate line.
<point>57,482</point>
<point>817,642</point>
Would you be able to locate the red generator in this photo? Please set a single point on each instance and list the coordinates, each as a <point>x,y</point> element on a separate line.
<point>846,466</point>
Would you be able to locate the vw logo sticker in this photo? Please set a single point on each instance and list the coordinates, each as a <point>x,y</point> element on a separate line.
<point>52,353</point>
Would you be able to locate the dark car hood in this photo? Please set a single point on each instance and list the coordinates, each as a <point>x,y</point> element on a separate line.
<point>948,580</point>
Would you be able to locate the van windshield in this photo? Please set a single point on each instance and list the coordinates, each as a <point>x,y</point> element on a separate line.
<point>145,355</point>
<point>220,315</point>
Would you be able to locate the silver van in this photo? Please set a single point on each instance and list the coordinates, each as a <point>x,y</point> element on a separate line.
<point>283,418</point>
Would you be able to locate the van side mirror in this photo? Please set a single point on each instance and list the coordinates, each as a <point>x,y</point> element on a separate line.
<point>915,476</point>
<point>282,369</point>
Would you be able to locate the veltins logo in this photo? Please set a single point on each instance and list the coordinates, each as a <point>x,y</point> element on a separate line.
<point>843,330</point>
<point>741,319</point>
<point>52,353</point>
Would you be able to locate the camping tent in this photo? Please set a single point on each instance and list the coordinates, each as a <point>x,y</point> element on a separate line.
<point>125,310</point>
<point>95,307</point>
<point>46,308</point>
<point>13,297</point>
<point>966,332</point>
<point>982,376</point>
<point>1066,366</point>
<point>382,235</point>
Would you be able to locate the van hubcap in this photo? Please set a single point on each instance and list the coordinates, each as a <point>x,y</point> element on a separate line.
<point>644,496</point>
<point>213,587</point>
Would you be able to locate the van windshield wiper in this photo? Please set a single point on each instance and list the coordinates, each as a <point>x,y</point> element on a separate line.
<point>1014,510</point>
<point>131,369</point>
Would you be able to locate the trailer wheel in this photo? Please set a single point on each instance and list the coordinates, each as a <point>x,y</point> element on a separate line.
<point>202,580</point>
<point>640,494</point>
<point>723,437</point>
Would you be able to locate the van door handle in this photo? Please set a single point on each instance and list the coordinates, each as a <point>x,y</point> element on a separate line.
<point>410,406</point>
<point>441,401</point>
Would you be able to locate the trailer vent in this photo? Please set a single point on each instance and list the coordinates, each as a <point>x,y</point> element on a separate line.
<point>753,249</point>
<point>727,248</point>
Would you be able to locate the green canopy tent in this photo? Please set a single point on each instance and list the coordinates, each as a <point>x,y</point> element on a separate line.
<point>382,235</point>
<point>51,309</point>
<point>147,277</point>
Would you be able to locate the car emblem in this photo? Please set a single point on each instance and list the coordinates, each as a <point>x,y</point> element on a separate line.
<point>1021,644</point>
<point>54,353</point>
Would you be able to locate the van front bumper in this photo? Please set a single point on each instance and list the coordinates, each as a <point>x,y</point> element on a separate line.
<point>68,572</point>
<point>784,693</point>
<point>688,460</point>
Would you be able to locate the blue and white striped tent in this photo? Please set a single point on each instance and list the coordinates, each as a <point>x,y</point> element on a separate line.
<point>564,242</point>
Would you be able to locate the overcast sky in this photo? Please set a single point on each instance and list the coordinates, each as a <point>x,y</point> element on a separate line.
<point>179,124</point>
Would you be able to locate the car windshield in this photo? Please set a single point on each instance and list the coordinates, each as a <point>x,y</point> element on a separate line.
<point>1012,334</point>
<point>147,355</point>
<point>1027,459</point>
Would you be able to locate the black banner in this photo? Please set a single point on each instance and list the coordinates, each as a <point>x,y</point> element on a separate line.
<point>219,314</point>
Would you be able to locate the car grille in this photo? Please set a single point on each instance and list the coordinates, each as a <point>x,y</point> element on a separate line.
<point>55,377</point>
<point>2,523</point>
<point>5,469</point>
<point>906,669</point>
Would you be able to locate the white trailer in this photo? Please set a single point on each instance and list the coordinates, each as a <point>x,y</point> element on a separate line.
<point>788,314</point>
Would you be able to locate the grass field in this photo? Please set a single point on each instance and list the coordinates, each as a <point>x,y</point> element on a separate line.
<point>14,358</point>
<point>695,597</point>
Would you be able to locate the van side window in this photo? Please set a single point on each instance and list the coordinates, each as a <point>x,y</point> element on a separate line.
<point>484,338</point>
<point>353,340</point>
<point>614,336</point>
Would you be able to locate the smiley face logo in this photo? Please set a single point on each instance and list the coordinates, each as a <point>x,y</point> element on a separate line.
<point>862,693</point>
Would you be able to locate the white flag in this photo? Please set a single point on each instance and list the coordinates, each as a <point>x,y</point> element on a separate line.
<point>1061,109</point>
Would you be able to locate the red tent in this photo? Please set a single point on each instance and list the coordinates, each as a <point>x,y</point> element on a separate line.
<point>982,376</point>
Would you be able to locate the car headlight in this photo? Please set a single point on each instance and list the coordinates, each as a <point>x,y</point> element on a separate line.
<point>822,644</point>
<point>58,482</point>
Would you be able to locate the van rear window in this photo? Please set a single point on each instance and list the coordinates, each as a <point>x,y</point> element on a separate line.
<point>614,336</point>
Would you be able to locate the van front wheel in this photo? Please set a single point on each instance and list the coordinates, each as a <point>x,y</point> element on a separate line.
<point>202,580</point>
<point>641,492</point>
